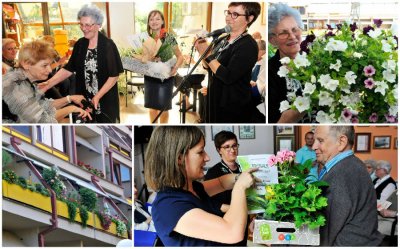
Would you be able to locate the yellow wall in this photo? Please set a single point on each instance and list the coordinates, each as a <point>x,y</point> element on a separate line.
<point>377,154</point>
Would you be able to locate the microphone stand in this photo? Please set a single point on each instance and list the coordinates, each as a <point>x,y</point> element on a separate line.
<point>182,85</point>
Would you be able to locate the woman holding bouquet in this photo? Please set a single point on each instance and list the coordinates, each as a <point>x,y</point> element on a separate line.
<point>284,33</point>
<point>97,64</point>
<point>158,93</point>
<point>183,213</point>
<point>230,66</point>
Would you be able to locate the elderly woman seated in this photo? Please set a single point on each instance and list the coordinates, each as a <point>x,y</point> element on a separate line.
<point>384,184</point>
<point>370,165</point>
<point>23,102</point>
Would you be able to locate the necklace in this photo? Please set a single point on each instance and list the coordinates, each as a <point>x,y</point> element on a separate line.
<point>229,169</point>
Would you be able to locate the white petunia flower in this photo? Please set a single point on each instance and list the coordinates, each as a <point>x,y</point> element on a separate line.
<point>335,45</point>
<point>291,96</point>
<point>302,103</point>
<point>393,110</point>
<point>323,117</point>
<point>375,33</point>
<point>301,60</point>
<point>332,85</point>
<point>336,66</point>
<point>324,79</point>
<point>389,64</point>
<point>381,87</point>
<point>350,77</point>
<point>357,55</point>
<point>285,60</point>
<point>345,89</point>
<point>284,106</point>
<point>386,47</point>
<point>395,92</point>
<point>283,71</point>
<point>389,76</point>
<point>309,88</point>
<point>325,99</point>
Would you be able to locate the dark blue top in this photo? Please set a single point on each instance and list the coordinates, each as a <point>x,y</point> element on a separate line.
<point>171,204</point>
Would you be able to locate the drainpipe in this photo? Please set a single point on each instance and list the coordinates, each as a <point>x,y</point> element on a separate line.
<point>95,182</point>
<point>54,221</point>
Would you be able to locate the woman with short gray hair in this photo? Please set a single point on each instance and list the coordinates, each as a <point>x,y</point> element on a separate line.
<point>370,165</point>
<point>97,64</point>
<point>384,184</point>
<point>284,33</point>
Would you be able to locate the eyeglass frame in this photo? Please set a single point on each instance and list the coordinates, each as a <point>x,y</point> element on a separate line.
<point>81,25</point>
<point>229,147</point>
<point>228,13</point>
<point>11,49</point>
<point>288,33</point>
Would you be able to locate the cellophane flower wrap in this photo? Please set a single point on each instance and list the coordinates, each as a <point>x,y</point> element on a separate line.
<point>144,49</point>
<point>297,197</point>
<point>348,75</point>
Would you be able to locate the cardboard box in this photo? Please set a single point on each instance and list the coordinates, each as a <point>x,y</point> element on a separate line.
<point>275,232</point>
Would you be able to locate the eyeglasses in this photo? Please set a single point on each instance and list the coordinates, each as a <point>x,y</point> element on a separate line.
<point>233,15</point>
<point>285,34</point>
<point>86,26</point>
<point>228,147</point>
<point>11,49</point>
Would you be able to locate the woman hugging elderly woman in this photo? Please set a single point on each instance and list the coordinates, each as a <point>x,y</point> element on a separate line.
<point>23,102</point>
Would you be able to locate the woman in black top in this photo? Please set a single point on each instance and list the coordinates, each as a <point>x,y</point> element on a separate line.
<point>230,65</point>
<point>97,64</point>
<point>284,32</point>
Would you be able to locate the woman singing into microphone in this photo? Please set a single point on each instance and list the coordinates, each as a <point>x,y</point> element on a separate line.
<point>229,67</point>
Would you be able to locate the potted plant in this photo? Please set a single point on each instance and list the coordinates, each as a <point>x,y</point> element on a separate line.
<point>295,199</point>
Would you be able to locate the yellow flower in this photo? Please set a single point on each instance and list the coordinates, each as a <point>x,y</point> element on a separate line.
<point>270,192</point>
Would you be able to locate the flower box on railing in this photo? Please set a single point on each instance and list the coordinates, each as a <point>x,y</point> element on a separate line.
<point>275,232</point>
<point>16,192</point>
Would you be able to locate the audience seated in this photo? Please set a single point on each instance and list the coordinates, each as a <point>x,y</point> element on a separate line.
<point>384,184</point>
<point>370,165</point>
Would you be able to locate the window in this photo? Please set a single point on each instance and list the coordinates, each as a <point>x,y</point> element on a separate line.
<point>52,136</point>
<point>26,130</point>
<point>125,174</point>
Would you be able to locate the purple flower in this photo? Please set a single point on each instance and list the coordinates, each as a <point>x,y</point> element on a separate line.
<point>373,118</point>
<point>390,118</point>
<point>346,114</point>
<point>329,34</point>
<point>339,26</point>
<point>378,22</point>
<point>329,27</point>
<point>306,42</point>
<point>354,120</point>
<point>369,70</point>
<point>369,83</point>
<point>367,29</point>
<point>353,27</point>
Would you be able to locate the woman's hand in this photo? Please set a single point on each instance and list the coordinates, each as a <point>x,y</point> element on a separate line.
<point>82,113</point>
<point>247,179</point>
<point>173,71</point>
<point>44,86</point>
<point>201,45</point>
<point>203,90</point>
<point>77,99</point>
<point>95,101</point>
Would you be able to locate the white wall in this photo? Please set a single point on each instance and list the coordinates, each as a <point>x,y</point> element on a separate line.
<point>218,19</point>
<point>262,144</point>
<point>122,22</point>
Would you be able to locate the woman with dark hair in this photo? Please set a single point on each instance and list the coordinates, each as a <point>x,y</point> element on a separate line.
<point>158,93</point>
<point>183,212</point>
<point>230,65</point>
<point>97,64</point>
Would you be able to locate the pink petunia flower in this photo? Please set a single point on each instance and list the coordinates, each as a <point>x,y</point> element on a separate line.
<point>373,118</point>
<point>369,70</point>
<point>369,83</point>
<point>346,114</point>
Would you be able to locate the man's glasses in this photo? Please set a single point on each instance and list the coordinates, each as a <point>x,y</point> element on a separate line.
<point>228,147</point>
<point>86,26</point>
<point>234,15</point>
<point>285,34</point>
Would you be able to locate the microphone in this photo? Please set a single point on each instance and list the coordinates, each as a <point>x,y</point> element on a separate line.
<point>218,32</point>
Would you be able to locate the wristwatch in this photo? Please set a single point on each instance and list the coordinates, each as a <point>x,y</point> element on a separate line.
<point>210,58</point>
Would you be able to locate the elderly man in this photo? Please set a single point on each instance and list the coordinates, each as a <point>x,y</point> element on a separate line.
<point>351,212</point>
<point>384,183</point>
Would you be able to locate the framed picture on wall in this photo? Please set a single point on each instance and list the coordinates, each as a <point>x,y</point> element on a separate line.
<point>217,128</point>
<point>284,142</point>
<point>284,130</point>
<point>363,142</point>
<point>395,143</point>
<point>247,132</point>
<point>382,142</point>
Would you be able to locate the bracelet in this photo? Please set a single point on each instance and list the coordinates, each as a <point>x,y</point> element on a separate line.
<point>68,99</point>
<point>237,177</point>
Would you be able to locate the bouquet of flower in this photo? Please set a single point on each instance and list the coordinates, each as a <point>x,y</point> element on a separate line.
<point>348,75</point>
<point>144,49</point>
<point>294,199</point>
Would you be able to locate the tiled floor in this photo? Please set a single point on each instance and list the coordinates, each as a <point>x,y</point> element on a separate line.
<point>136,114</point>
